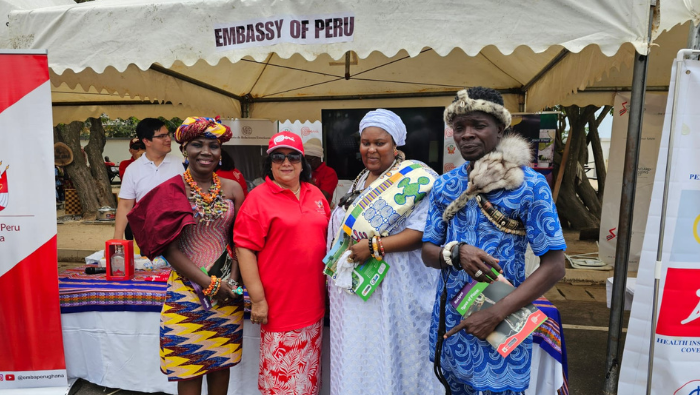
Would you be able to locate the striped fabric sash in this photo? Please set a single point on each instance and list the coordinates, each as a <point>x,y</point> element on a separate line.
<point>388,198</point>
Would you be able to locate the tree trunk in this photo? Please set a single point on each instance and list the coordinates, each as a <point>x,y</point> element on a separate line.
<point>78,170</point>
<point>577,202</point>
<point>94,149</point>
<point>598,157</point>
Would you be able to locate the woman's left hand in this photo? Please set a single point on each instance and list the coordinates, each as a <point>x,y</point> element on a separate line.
<point>226,294</point>
<point>480,324</point>
<point>360,251</point>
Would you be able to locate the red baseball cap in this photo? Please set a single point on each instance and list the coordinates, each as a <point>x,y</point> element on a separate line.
<point>136,143</point>
<point>285,139</point>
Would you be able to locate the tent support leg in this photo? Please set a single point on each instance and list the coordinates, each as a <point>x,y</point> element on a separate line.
<point>622,251</point>
<point>613,360</point>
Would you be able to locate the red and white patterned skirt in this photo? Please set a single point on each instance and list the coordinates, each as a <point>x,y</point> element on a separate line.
<point>290,362</point>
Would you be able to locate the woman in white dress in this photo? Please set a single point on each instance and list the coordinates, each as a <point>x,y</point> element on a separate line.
<point>380,346</point>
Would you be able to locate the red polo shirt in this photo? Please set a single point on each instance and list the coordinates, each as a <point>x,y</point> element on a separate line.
<point>290,238</point>
<point>123,165</point>
<point>325,178</point>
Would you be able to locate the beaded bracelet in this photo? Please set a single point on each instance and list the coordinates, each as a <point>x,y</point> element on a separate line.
<point>371,247</point>
<point>381,246</point>
<point>217,286</point>
<point>208,290</point>
<point>375,242</point>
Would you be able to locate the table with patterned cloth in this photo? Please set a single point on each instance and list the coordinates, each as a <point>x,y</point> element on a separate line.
<point>111,337</point>
<point>111,334</point>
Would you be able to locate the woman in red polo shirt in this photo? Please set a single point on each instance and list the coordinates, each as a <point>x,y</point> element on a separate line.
<point>280,241</point>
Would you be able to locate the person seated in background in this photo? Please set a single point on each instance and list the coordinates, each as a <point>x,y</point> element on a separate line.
<point>136,149</point>
<point>325,178</point>
<point>109,162</point>
<point>227,169</point>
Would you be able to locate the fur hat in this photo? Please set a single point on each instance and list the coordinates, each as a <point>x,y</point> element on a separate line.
<point>501,168</point>
<point>463,104</point>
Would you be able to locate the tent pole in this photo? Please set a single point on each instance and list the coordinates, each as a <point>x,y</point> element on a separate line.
<point>624,226</point>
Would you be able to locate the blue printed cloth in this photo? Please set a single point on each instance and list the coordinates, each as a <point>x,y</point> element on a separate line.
<point>470,364</point>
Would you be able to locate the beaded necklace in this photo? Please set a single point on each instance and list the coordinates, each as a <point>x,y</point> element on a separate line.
<point>353,192</point>
<point>206,206</point>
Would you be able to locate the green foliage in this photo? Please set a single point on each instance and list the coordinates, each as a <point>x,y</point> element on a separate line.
<point>172,124</point>
<point>124,127</point>
<point>119,127</point>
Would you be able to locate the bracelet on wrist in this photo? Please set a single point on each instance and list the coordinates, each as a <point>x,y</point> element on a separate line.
<point>447,252</point>
<point>375,245</point>
<point>455,255</point>
<point>210,288</point>
<point>217,287</point>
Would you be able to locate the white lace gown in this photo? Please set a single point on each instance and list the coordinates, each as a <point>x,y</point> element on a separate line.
<point>380,347</point>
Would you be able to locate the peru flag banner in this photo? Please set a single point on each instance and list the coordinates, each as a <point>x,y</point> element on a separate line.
<point>31,342</point>
<point>677,337</point>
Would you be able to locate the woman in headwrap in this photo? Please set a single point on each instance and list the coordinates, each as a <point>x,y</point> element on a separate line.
<point>189,219</point>
<point>280,241</point>
<point>379,346</point>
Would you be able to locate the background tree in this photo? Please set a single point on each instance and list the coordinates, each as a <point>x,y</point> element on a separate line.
<point>578,203</point>
<point>98,170</point>
<point>88,171</point>
<point>78,171</point>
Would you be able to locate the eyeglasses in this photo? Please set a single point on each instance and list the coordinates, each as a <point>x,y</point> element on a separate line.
<point>163,136</point>
<point>278,157</point>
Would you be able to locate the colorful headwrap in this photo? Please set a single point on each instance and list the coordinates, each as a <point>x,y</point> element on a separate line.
<point>463,104</point>
<point>195,127</point>
<point>387,120</point>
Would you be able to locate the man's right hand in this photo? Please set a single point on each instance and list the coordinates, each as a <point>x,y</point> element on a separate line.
<point>474,260</point>
<point>120,221</point>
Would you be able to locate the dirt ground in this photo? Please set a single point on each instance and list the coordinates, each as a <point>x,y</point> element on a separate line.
<point>575,246</point>
<point>78,236</point>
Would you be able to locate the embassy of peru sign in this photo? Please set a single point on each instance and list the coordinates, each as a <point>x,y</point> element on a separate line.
<point>314,29</point>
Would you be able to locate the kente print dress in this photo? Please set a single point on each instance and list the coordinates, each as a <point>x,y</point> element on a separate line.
<point>193,341</point>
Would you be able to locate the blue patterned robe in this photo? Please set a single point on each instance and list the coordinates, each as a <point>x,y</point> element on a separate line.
<point>469,364</point>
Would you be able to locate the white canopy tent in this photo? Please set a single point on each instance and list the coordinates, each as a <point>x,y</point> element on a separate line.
<point>142,58</point>
<point>150,58</point>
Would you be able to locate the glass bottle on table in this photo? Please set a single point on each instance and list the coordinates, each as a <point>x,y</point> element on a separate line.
<point>116,262</point>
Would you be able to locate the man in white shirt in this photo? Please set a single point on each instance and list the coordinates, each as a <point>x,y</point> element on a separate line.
<point>155,166</point>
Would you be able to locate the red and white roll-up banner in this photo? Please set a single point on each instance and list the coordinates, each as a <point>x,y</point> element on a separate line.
<point>676,369</point>
<point>31,342</point>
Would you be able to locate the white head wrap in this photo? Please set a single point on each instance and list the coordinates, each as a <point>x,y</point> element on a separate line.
<point>388,121</point>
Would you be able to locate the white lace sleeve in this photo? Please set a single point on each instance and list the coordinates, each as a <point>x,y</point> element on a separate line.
<point>416,220</point>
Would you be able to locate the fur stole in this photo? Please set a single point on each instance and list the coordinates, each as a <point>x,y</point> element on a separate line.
<point>499,169</point>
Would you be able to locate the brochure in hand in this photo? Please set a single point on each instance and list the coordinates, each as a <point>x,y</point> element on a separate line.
<point>514,329</point>
<point>365,278</point>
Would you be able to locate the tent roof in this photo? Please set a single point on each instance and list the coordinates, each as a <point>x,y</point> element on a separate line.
<point>145,32</point>
<point>140,52</point>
